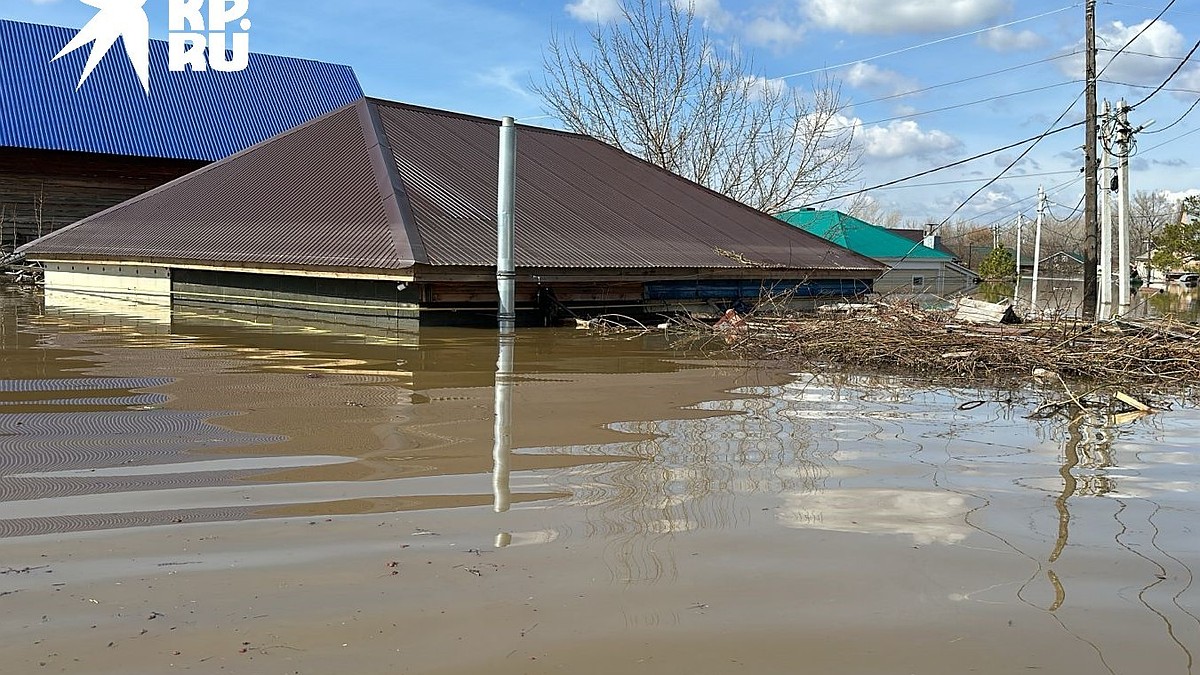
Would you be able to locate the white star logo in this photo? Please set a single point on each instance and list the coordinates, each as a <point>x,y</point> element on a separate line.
<point>123,19</point>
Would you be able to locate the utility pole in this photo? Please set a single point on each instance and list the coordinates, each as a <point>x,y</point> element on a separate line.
<point>1089,164</point>
<point>1106,248</point>
<point>1037,248</point>
<point>1124,149</point>
<point>1017,287</point>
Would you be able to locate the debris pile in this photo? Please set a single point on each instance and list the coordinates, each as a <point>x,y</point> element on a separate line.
<point>1150,357</point>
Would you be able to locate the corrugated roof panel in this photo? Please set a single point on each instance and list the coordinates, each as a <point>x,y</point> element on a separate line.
<point>319,196</point>
<point>860,236</point>
<point>284,202</point>
<point>188,115</point>
<point>580,203</point>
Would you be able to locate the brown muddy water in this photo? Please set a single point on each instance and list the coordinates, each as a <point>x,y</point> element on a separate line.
<point>215,494</point>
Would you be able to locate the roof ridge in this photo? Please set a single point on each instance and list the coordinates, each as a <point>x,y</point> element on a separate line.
<point>406,237</point>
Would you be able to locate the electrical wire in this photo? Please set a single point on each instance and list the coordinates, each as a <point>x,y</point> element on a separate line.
<point>1128,6</point>
<point>956,106</point>
<point>1010,146</point>
<point>1177,121</point>
<point>1169,77</point>
<point>1135,37</point>
<point>927,44</point>
<point>1170,140</point>
<point>977,180</point>
<point>968,79</point>
<point>1132,85</point>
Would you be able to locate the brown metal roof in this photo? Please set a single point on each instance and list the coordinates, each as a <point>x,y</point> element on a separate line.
<point>325,195</point>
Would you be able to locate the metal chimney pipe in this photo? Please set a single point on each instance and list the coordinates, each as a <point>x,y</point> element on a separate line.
<point>506,277</point>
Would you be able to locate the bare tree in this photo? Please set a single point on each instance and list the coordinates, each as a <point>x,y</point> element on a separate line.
<point>870,210</point>
<point>1149,213</point>
<point>655,84</point>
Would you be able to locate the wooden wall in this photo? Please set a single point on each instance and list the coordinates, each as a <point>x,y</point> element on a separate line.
<point>41,191</point>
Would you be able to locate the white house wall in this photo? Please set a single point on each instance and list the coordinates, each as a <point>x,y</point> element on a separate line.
<point>112,280</point>
<point>924,276</point>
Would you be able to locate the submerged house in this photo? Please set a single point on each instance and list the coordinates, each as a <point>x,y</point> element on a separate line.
<point>1061,265</point>
<point>912,267</point>
<point>69,150</point>
<point>388,210</point>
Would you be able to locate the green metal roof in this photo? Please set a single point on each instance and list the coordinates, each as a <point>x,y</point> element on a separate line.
<point>859,236</point>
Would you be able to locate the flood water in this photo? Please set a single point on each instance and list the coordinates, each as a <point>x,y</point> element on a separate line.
<point>213,493</point>
<point>1064,298</point>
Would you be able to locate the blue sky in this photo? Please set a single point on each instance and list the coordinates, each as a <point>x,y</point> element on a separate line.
<point>891,56</point>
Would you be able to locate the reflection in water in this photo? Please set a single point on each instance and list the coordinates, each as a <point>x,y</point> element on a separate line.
<point>502,431</point>
<point>1054,521</point>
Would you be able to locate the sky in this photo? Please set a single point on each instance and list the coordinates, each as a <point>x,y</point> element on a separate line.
<point>926,83</point>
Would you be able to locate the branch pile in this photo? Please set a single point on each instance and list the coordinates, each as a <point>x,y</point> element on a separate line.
<point>1153,357</point>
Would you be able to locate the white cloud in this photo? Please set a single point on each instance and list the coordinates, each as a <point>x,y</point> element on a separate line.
<point>1005,40</point>
<point>866,76</point>
<point>1189,79</point>
<point>1180,196</point>
<point>1146,61</point>
<point>714,16</point>
<point>772,32</point>
<point>595,10</point>
<point>995,198</point>
<point>903,16</point>
<point>903,138</point>
<point>761,86</point>
<point>506,78</point>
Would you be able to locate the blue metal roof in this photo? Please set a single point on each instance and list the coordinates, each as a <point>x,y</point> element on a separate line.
<point>188,115</point>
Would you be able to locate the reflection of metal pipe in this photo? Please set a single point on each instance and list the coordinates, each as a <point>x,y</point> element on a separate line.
<point>501,431</point>
<point>506,278</point>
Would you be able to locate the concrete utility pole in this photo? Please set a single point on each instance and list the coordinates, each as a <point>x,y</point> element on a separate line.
<point>1124,149</point>
<point>1017,287</point>
<point>1037,248</point>
<point>1089,164</point>
<point>1103,179</point>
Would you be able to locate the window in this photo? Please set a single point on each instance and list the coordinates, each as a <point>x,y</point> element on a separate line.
<point>918,282</point>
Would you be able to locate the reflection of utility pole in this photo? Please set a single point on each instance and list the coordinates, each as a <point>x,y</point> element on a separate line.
<point>502,429</point>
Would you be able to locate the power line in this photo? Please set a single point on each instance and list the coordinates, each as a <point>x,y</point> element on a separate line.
<point>1146,54</point>
<point>1170,140</point>
<point>1033,139</point>
<point>1178,11</point>
<point>1169,77</point>
<point>1132,85</point>
<point>926,44</point>
<point>1177,121</point>
<point>956,106</point>
<point>976,180</point>
<point>1135,37</point>
<point>968,79</point>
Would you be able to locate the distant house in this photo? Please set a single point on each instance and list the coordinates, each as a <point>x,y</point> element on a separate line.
<point>67,154</point>
<point>925,238</point>
<point>1061,265</point>
<point>388,210</point>
<point>912,266</point>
